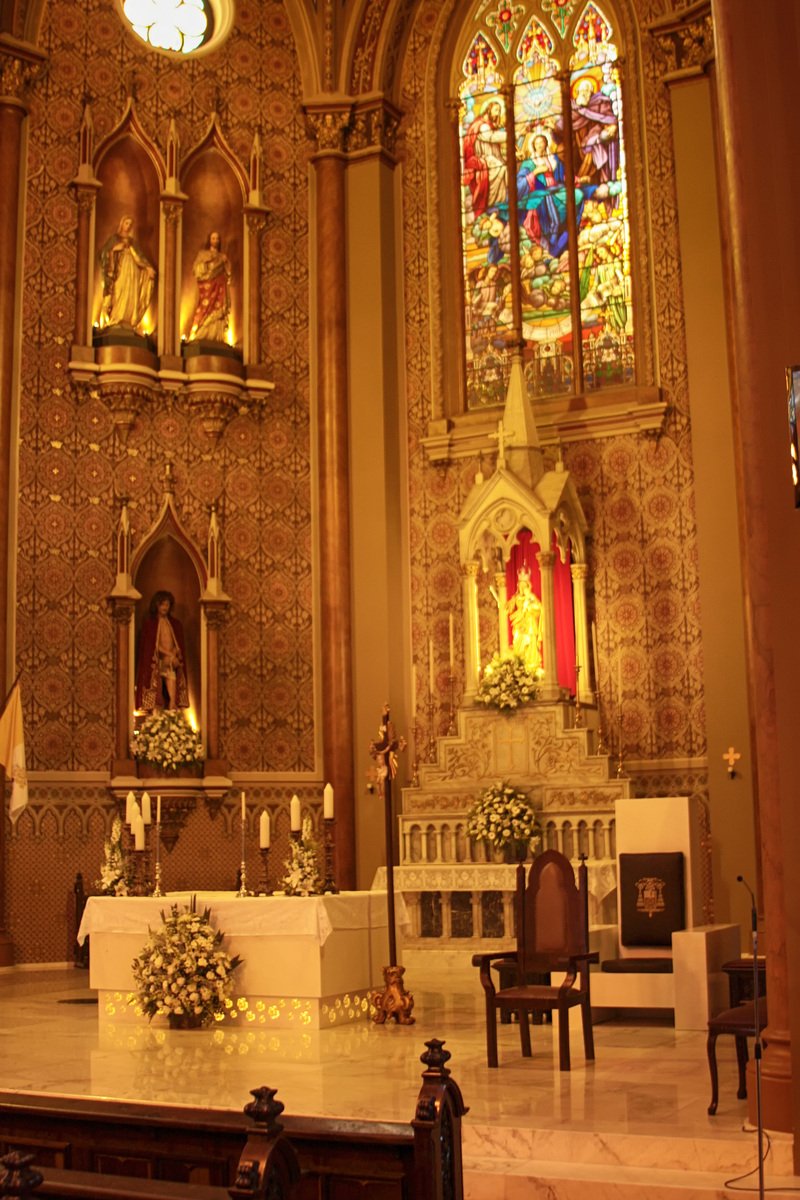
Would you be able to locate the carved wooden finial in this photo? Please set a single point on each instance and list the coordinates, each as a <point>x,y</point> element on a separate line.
<point>264,1109</point>
<point>435,1058</point>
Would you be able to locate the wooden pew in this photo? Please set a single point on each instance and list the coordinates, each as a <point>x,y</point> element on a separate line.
<point>158,1152</point>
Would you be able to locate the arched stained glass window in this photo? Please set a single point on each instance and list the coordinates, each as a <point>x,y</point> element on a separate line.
<point>545,264</point>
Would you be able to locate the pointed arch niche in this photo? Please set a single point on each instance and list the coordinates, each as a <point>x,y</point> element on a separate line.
<point>168,559</point>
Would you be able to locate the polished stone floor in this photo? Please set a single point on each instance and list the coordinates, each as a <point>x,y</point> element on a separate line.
<point>643,1101</point>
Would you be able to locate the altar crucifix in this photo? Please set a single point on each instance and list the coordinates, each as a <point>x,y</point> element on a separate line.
<point>394,1001</point>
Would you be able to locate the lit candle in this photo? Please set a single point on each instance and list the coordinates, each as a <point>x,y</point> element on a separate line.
<point>130,800</point>
<point>244,809</point>
<point>158,809</point>
<point>263,831</point>
<point>452,646</point>
<point>138,832</point>
<point>594,656</point>
<point>147,812</point>
<point>327,802</point>
<point>431,673</point>
<point>413,691</point>
<point>295,821</point>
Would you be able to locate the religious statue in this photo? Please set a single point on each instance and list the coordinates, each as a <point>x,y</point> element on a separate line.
<point>212,270</point>
<point>161,664</point>
<point>525,613</point>
<point>128,278</point>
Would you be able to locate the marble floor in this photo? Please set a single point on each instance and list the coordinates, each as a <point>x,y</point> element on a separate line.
<point>642,1104</point>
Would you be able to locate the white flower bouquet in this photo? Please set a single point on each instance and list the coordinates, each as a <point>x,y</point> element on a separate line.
<point>506,682</point>
<point>302,871</point>
<point>166,739</point>
<point>114,871</point>
<point>503,816</point>
<point>183,970</point>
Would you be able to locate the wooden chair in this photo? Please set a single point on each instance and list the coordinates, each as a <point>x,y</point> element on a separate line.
<point>740,1023</point>
<point>552,935</point>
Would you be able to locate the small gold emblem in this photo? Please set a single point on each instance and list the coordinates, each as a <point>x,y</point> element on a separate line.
<point>651,895</point>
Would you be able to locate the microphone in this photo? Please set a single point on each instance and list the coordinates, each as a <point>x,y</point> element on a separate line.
<point>754,910</point>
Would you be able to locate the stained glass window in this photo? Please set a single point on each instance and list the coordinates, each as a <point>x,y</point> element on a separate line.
<point>545,264</point>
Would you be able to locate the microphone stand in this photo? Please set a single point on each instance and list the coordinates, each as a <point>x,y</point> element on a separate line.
<point>757,1045</point>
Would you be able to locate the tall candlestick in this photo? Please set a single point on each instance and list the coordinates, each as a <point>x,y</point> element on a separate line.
<point>327,802</point>
<point>244,809</point>
<point>431,672</point>
<point>452,646</point>
<point>158,810</point>
<point>619,679</point>
<point>295,819</point>
<point>138,832</point>
<point>264,831</point>
<point>147,813</point>
<point>413,691</point>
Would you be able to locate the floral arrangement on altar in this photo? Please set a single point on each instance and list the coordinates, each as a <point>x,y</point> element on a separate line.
<point>166,739</point>
<point>302,872</point>
<point>506,682</point>
<point>183,972</point>
<point>114,871</point>
<point>503,816</point>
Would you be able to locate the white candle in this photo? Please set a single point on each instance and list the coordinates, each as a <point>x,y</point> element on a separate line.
<point>138,832</point>
<point>413,691</point>
<point>147,812</point>
<point>244,809</point>
<point>137,812</point>
<point>264,831</point>
<point>431,672</point>
<point>130,800</point>
<point>327,802</point>
<point>296,822</point>
<point>158,809</point>
<point>452,646</point>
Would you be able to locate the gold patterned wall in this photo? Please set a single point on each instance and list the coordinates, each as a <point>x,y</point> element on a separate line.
<point>73,468</point>
<point>637,490</point>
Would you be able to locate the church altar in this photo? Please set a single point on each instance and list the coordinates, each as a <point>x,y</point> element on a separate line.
<point>309,962</point>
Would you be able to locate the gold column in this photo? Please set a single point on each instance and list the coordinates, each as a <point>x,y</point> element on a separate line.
<point>328,127</point>
<point>757,110</point>
<point>15,72</point>
<point>472,635</point>
<point>549,689</point>
<point>122,609</point>
<point>85,196</point>
<point>172,208</point>
<point>501,588</point>
<point>256,220</point>
<point>215,614</point>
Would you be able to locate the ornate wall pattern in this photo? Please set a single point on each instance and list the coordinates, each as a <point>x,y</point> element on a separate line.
<point>637,491</point>
<point>73,469</point>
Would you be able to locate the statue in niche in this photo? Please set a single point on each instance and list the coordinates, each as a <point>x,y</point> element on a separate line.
<point>212,270</point>
<point>128,278</point>
<point>525,613</point>
<point>161,664</point>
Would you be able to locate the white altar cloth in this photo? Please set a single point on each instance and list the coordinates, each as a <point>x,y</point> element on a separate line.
<point>308,962</point>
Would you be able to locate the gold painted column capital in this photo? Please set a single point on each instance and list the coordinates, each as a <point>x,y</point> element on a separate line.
<point>20,65</point>
<point>327,124</point>
<point>374,129</point>
<point>684,41</point>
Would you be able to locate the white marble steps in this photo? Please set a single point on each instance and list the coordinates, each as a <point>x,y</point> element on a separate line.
<point>561,1164</point>
<point>515,1179</point>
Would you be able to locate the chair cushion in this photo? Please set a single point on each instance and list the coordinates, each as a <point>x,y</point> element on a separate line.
<point>741,1020</point>
<point>637,966</point>
<point>650,898</point>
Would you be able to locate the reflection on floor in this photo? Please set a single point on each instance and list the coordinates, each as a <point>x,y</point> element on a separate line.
<point>632,1123</point>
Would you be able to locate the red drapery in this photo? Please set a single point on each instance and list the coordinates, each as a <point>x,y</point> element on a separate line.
<point>523,553</point>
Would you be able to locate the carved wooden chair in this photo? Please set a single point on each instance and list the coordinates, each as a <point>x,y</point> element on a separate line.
<point>552,935</point>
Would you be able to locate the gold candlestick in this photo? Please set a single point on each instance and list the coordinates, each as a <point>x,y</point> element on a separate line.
<point>451,727</point>
<point>620,748</point>
<point>157,888</point>
<point>329,884</point>
<point>265,889</point>
<point>602,748</point>
<point>431,736</point>
<point>578,713</point>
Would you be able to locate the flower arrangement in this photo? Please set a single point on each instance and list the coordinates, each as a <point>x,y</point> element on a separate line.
<point>506,682</point>
<point>302,873</point>
<point>183,972</point>
<point>114,871</point>
<point>166,739</point>
<point>502,816</point>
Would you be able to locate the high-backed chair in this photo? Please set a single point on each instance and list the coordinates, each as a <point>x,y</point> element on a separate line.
<point>551,917</point>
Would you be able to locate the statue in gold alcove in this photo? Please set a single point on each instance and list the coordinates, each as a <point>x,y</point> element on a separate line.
<point>525,613</point>
<point>128,278</point>
<point>212,270</point>
<point>161,665</point>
